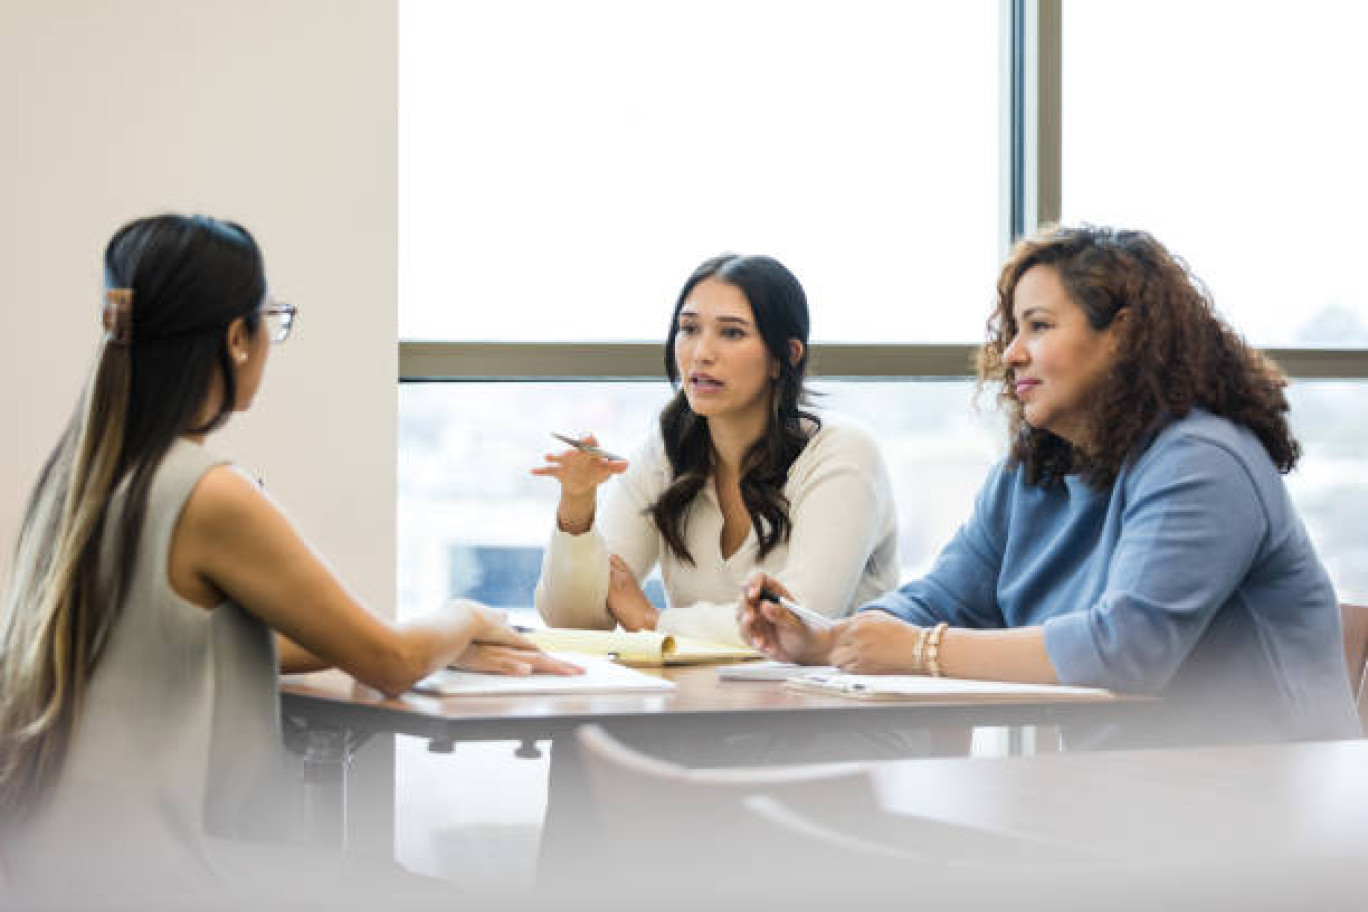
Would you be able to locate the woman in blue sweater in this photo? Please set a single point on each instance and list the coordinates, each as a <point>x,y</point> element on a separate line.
<point>1138,536</point>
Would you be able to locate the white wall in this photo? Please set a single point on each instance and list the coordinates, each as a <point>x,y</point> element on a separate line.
<point>279,114</point>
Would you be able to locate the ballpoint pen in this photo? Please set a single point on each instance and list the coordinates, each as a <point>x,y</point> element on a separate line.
<point>586,448</point>
<point>810,618</point>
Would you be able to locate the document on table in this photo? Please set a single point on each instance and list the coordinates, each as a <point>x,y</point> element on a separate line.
<point>601,675</point>
<point>770,671</point>
<point>897,687</point>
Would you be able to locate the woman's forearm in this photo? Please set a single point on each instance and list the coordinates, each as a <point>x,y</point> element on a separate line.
<point>575,512</point>
<point>432,642</point>
<point>997,655</point>
<point>414,650</point>
<point>295,659</point>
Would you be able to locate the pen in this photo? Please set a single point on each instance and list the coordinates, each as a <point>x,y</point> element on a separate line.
<point>810,618</point>
<point>586,448</point>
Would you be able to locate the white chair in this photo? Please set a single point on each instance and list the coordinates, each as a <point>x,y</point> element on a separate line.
<point>810,830</point>
<point>653,813</point>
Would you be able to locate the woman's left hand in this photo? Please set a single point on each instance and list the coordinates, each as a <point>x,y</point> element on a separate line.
<point>626,602</point>
<point>875,642</point>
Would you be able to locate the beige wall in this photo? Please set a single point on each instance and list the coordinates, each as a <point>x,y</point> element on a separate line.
<point>280,114</point>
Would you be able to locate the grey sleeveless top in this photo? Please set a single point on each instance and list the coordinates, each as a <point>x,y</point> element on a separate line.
<point>178,740</point>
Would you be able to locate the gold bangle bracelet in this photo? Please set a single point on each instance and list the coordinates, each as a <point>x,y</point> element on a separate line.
<point>933,650</point>
<point>919,651</point>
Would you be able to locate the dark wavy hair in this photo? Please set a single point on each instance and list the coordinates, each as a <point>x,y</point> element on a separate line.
<point>781,314</point>
<point>1173,354</point>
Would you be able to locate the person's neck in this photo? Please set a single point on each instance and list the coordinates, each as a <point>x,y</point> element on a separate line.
<point>207,413</point>
<point>732,437</point>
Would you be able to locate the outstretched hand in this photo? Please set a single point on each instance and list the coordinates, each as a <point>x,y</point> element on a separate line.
<point>578,472</point>
<point>512,660</point>
<point>497,648</point>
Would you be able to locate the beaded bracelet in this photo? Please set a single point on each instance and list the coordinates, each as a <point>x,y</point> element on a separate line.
<point>933,650</point>
<point>919,650</point>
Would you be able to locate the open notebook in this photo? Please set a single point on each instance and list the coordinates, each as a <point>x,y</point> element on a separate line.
<point>901,687</point>
<point>644,647</point>
<point>601,675</point>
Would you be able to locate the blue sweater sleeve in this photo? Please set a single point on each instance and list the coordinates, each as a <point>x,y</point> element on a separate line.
<point>961,588</point>
<point>1192,527</point>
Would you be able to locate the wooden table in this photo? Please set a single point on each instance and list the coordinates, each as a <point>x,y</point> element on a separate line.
<point>334,698</point>
<point>329,716</point>
<point>1264,827</point>
<point>1286,802</point>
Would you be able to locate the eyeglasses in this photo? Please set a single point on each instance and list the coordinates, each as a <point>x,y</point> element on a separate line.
<point>279,319</point>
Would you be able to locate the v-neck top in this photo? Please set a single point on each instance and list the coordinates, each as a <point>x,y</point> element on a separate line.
<point>842,550</point>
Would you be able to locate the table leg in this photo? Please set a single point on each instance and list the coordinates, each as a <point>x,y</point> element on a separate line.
<point>370,798</point>
<point>325,755</point>
<point>570,827</point>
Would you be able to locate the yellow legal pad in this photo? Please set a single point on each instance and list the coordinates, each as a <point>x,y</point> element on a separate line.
<point>644,647</point>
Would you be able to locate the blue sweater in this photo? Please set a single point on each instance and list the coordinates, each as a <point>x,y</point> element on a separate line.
<point>1191,578</point>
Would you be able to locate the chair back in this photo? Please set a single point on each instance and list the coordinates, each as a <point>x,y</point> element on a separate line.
<point>656,818</point>
<point>812,833</point>
<point>1355,620</point>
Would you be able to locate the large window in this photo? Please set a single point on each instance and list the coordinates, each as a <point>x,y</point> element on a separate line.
<point>564,166</point>
<point>1235,134</point>
<point>565,163</point>
<point>473,522</point>
<point>1330,486</point>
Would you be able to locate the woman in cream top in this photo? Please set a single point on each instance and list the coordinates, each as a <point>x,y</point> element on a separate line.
<point>737,477</point>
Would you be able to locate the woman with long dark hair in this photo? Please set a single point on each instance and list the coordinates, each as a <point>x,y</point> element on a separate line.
<point>1139,535</point>
<point>740,476</point>
<point>139,719</point>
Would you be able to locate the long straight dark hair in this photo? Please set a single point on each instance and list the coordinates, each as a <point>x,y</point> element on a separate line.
<point>188,278</point>
<point>780,308</point>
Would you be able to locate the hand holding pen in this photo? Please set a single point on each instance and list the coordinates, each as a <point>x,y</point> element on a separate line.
<point>584,446</point>
<point>772,622</point>
<point>580,470</point>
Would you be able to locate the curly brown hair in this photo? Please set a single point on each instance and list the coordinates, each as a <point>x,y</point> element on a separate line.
<point>1173,354</point>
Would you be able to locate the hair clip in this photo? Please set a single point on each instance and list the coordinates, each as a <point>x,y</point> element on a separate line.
<point>117,315</point>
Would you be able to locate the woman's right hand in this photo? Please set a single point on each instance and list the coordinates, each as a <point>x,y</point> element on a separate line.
<point>579,474</point>
<point>509,660</point>
<point>775,631</point>
<point>498,648</point>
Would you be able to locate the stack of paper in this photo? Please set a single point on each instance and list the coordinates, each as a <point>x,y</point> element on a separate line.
<point>770,671</point>
<point>896,687</point>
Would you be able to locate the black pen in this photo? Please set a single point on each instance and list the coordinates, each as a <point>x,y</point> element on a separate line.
<point>811,619</point>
